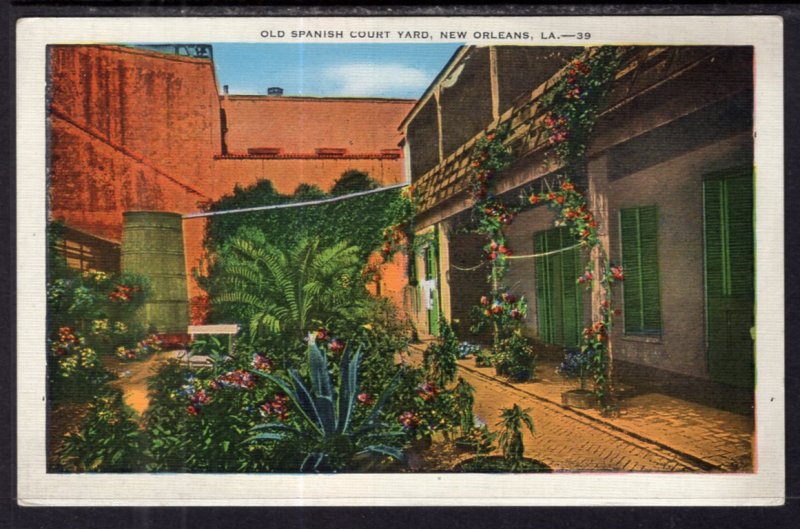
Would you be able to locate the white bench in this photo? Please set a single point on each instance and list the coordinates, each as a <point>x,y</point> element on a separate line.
<point>231,329</point>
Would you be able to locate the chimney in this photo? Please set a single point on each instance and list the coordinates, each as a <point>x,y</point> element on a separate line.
<point>274,91</point>
<point>225,89</point>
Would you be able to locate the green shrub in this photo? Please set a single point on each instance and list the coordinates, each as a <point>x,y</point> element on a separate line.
<point>515,357</point>
<point>199,421</point>
<point>109,440</point>
<point>440,359</point>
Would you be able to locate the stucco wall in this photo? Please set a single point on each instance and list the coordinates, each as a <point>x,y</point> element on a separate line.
<point>676,187</point>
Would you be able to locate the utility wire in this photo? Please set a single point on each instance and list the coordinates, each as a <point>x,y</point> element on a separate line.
<point>201,214</point>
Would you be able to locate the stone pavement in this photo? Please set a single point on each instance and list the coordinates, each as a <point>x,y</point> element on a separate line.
<point>652,432</point>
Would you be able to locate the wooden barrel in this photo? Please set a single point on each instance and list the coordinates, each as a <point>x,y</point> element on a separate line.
<point>152,246</point>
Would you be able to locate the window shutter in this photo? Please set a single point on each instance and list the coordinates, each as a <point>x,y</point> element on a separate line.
<point>559,299</point>
<point>651,286</point>
<point>641,289</point>
<point>543,294</point>
<point>716,256</point>
<point>739,198</point>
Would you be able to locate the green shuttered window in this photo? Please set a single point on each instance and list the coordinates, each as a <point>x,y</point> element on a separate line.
<point>641,288</point>
<point>558,298</point>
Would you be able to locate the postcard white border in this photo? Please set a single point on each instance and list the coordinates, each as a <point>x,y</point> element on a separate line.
<point>764,487</point>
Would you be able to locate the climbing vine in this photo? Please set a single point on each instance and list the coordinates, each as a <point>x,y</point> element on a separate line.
<point>572,105</point>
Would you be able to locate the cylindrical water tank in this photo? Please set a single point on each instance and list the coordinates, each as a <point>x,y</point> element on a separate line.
<point>152,246</point>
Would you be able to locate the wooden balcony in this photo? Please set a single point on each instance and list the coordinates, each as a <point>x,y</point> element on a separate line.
<point>643,70</point>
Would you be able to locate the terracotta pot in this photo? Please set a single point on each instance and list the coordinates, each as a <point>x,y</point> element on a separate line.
<point>579,398</point>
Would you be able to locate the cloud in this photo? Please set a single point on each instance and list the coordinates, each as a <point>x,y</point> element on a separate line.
<point>376,80</point>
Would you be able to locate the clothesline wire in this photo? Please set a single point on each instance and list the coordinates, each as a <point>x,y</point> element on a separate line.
<point>542,254</point>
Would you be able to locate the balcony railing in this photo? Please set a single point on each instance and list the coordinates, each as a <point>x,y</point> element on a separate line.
<point>642,68</point>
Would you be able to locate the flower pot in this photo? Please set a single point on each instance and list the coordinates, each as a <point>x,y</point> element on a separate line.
<point>497,463</point>
<point>579,398</point>
<point>520,375</point>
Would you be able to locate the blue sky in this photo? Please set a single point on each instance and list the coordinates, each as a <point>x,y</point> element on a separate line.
<point>358,70</point>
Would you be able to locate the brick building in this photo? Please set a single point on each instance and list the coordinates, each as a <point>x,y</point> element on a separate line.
<point>670,176</point>
<point>134,129</point>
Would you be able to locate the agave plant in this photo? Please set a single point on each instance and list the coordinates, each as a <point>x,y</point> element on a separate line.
<point>284,291</point>
<point>325,431</point>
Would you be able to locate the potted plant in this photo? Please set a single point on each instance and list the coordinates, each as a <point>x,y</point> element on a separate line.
<point>514,358</point>
<point>512,423</point>
<point>575,365</point>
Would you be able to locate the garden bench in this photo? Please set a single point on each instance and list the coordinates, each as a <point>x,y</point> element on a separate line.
<point>231,329</point>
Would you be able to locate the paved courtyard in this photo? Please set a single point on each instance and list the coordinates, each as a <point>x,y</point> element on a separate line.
<point>652,433</point>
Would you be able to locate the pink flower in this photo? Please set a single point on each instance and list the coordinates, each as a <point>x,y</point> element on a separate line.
<point>409,420</point>
<point>365,399</point>
<point>336,345</point>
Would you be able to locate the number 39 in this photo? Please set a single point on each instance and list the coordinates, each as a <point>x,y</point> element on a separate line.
<point>584,36</point>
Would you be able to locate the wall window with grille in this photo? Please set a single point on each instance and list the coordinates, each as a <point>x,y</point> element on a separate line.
<point>641,288</point>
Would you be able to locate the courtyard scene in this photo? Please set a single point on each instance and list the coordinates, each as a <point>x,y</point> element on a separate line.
<point>436,259</point>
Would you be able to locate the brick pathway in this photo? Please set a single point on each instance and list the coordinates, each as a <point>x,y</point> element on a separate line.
<point>653,432</point>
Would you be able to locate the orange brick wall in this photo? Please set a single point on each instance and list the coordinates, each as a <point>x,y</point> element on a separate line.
<point>140,130</point>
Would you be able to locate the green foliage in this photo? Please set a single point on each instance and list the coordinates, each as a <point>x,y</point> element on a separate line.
<point>358,221</point>
<point>196,424</point>
<point>440,359</point>
<point>283,292</point>
<point>89,314</point>
<point>327,434</point>
<point>109,439</point>
<point>353,181</point>
<point>510,440</point>
<point>464,394</point>
<point>515,357</point>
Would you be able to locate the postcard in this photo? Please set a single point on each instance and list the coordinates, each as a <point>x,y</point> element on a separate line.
<point>400,261</point>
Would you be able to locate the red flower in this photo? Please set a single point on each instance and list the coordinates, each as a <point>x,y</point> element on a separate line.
<point>365,398</point>
<point>322,334</point>
<point>487,313</point>
<point>484,300</point>
<point>191,410</point>
<point>262,363</point>
<point>337,345</point>
<point>533,199</point>
<point>492,256</point>
<point>567,186</point>
<point>617,272</point>
<point>560,199</point>
<point>490,137</point>
<point>497,309</point>
<point>409,420</point>
<point>516,314</point>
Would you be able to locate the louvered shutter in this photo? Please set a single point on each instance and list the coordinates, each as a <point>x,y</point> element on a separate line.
<point>641,289</point>
<point>559,299</point>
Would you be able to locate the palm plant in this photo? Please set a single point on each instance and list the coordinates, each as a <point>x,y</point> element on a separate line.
<point>325,435</point>
<point>284,291</point>
<point>510,438</point>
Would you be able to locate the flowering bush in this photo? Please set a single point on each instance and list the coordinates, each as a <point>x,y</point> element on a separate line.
<point>466,349</point>
<point>515,357</point>
<point>502,309</point>
<point>108,440</point>
<point>196,424</point>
